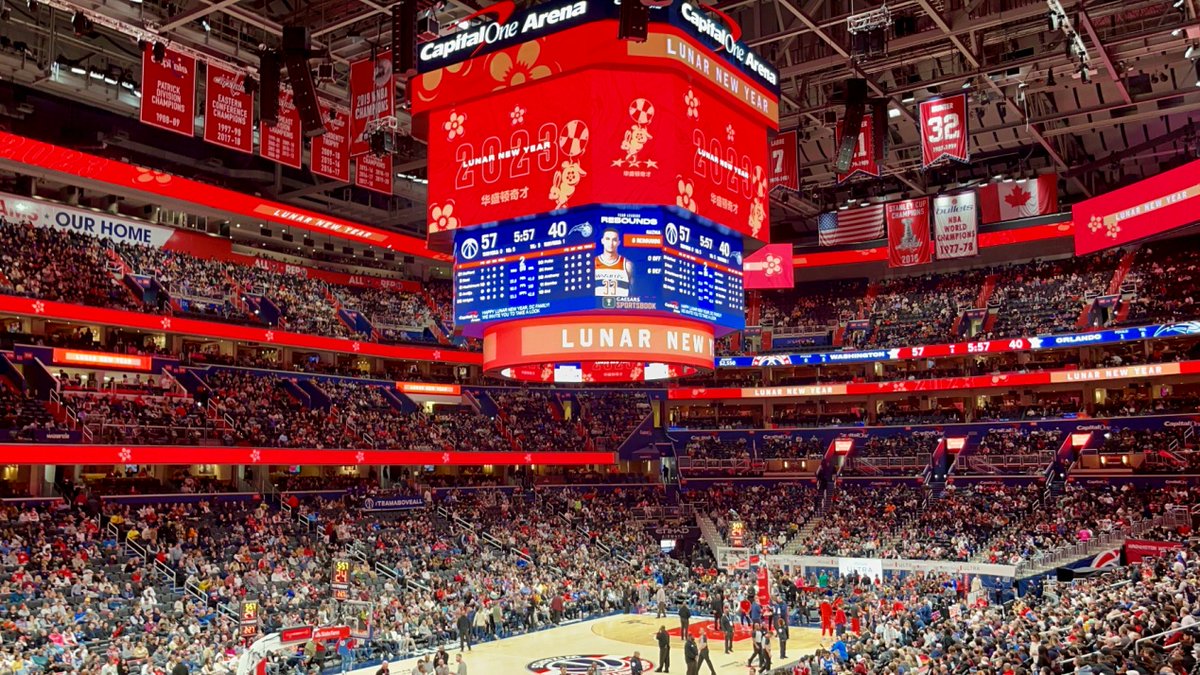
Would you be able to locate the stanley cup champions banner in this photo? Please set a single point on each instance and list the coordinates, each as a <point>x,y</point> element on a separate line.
<point>955,232</point>
<point>908,232</point>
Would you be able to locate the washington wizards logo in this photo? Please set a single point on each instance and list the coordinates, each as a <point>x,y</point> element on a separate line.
<point>606,664</point>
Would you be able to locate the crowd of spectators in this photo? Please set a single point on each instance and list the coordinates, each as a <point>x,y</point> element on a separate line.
<point>610,416</point>
<point>538,421</point>
<point>51,264</point>
<point>922,310</point>
<point>1011,450</point>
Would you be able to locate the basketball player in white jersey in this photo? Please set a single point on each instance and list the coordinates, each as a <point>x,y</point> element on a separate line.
<point>614,272</point>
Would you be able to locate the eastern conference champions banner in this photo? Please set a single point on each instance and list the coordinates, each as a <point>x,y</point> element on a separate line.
<point>954,226</point>
<point>908,232</point>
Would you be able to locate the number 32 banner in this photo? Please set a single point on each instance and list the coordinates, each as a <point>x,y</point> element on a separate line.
<point>944,130</point>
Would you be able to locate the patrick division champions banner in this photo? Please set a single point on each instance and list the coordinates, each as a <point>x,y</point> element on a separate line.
<point>908,232</point>
<point>169,91</point>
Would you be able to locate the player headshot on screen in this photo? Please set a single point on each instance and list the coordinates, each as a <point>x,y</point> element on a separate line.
<point>614,272</point>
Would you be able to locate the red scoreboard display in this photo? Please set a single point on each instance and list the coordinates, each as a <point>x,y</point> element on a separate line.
<point>549,110</point>
<point>545,116</point>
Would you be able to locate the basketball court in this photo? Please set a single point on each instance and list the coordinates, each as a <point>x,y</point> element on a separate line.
<point>608,642</point>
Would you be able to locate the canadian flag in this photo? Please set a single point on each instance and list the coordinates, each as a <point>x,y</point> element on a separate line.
<point>1018,199</point>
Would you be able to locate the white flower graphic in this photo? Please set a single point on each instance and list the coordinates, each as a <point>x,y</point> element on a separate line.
<point>774,265</point>
<point>39,307</point>
<point>166,323</point>
<point>693,104</point>
<point>684,198</point>
<point>445,458</point>
<point>517,115</point>
<point>359,457</point>
<point>454,126</point>
<point>270,336</point>
<point>255,455</point>
<point>729,132</point>
<point>355,346</point>
<point>125,454</point>
<point>442,218</point>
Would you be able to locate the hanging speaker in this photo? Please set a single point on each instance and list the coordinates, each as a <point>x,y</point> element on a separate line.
<point>404,37</point>
<point>633,22</point>
<point>304,90</point>
<point>268,100</point>
<point>879,122</point>
<point>856,103</point>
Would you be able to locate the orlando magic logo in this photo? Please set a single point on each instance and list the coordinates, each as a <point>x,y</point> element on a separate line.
<point>606,664</point>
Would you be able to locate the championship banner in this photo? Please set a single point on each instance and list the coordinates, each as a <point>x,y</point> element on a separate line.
<point>955,229</point>
<point>228,110</point>
<point>330,152</point>
<point>282,142</point>
<point>769,267</point>
<point>864,151</point>
<point>908,233</point>
<point>1158,204</point>
<point>944,130</point>
<point>371,97</point>
<point>785,169</point>
<point>169,92</point>
<point>374,173</point>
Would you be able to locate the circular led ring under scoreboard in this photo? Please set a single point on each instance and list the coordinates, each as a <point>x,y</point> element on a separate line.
<point>597,348</point>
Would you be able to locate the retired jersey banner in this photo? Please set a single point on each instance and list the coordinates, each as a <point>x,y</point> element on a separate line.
<point>283,142</point>
<point>228,110</point>
<point>944,129</point>
<point>1157,204</point>
<point>769,267</point>
<point>372,97</point>
<point>374,173</point>
<point>169,92</point>
<point>331,150</point>
<point>908,232</point>
<point>864,151</point>
<point>785,170</point>
<point>955,229</point>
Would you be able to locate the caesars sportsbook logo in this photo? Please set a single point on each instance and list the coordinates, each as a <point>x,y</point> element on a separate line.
<point>606,664</point>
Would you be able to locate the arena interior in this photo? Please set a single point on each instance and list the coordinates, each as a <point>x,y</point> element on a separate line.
<point>578,337</point>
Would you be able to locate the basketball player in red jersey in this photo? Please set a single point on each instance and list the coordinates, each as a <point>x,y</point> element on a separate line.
<point>614,272</point>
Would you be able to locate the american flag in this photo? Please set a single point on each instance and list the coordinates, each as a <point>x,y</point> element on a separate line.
<point>850,226</point>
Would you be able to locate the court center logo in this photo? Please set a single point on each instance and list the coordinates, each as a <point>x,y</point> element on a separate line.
<point>606,664</point>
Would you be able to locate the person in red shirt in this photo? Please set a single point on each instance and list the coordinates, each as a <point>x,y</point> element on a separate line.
<point>826,617</point>
<point>839,620</point>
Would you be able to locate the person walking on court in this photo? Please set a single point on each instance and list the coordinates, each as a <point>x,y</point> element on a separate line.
<point>764,654</point>
<point>704,657</point>
<point>781,633</point>
<point>757,639</point>
<point>664,650</point>
<point>691,656</point>
<point>463,624</point>
<point>685,617</point>
<point>727,630</point>
<point>660,599</point>
<point>635,664</point>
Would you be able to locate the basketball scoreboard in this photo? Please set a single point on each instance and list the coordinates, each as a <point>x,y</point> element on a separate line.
<point>598,258</point>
